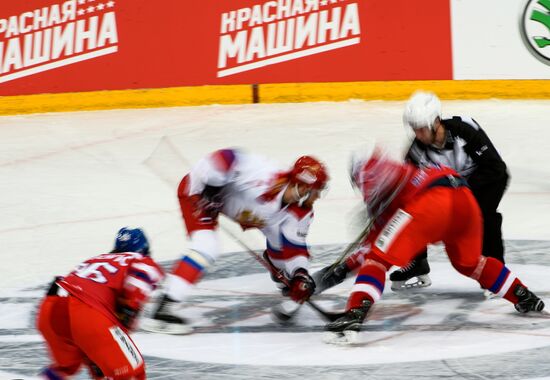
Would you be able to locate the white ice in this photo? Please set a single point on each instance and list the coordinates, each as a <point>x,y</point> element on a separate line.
<point>69,181</point>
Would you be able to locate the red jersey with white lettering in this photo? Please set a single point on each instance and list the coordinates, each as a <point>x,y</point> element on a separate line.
<point>103,280</point>
<point>413,182</point>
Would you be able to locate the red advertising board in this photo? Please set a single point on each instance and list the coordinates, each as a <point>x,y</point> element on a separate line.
<point>49,46</point>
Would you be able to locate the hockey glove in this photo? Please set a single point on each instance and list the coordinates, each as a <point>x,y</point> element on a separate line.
<point>332,275</point>
<point>126,314</point>
<point>95,371</point>
<point>210,202</point>
<point>302,286</point>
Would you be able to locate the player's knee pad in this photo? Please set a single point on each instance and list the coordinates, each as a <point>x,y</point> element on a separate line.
<point>469,268</point>
<point>376,261</point>
<point>466,270</point>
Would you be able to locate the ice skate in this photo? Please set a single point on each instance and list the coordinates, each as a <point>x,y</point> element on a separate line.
<point>165,319</point>
<point>345,329</point>
<point>527,300</point>
<point>414,275</point>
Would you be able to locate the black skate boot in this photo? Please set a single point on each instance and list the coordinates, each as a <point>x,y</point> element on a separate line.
<point>414,275</point>
<point>344,330</point>
<point>165,319</point>
<point>527,300</point>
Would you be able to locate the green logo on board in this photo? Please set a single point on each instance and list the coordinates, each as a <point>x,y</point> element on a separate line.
<point>535,28</point>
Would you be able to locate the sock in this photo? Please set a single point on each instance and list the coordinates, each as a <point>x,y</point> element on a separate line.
<point>498,279</point>
<point>369,283</point>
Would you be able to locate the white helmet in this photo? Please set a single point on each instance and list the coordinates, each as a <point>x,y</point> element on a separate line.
<point>421,110</point>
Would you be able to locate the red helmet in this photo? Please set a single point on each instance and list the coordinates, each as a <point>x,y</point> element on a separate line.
<point>376,176</point>
<point>309,171</point>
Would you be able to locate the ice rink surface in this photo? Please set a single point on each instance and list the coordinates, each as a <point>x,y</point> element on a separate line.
<point>69,181</point>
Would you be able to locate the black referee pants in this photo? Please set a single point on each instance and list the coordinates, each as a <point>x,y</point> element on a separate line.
<point>488,199</point>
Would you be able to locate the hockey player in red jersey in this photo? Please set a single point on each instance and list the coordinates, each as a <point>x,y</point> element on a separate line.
<point>86,316</point>
<point>255,193</point>
<point>414,207</point>
<point>460,143</point>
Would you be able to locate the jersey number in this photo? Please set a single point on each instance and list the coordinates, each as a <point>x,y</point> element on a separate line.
<point>91,271</point>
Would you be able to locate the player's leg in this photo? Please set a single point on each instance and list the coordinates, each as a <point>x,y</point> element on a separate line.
<point>463,245</point>
<point>405,234</point>
<point>104,343</point>
<point>53,324</point>
<point>203,250</point>
<point>488,199</point>
<point>187,271</point>
<point>283,312</point>
<point>368,289</point>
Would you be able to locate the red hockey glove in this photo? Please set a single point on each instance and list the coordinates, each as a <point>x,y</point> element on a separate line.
<point>302,286</point>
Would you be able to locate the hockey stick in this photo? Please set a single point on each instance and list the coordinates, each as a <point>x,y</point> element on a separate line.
<point>351,246</point>
<point>321,276</point>
<point>164,168</point>
<point>329,316</point>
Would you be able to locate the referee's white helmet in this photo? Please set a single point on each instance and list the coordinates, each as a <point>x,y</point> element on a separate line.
<point>421,110</point>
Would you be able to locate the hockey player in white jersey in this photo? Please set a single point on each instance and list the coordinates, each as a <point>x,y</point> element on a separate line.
<point>255,193</point>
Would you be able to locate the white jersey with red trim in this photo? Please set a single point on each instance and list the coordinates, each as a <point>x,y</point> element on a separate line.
<point>248,198</point>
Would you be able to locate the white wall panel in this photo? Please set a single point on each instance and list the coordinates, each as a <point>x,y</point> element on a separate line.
<point>487,42</point>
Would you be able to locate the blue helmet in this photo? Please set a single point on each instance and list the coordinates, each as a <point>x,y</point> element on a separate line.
<point>131,240</point>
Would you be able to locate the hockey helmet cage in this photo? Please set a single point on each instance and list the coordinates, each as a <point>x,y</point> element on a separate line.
<point>131,240</point>
<point>421,110</point>
<point>375,175</point>
<point>309,171</point>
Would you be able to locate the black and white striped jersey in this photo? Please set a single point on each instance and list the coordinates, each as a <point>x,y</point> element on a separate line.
<point>467,149</point>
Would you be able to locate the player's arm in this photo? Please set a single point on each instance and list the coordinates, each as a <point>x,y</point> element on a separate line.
<point>336,273</point>
<point>142,279</point>
<point>293,233</point>
<point>213,171</point>
<point>207,180</point>
<point>479,147</point>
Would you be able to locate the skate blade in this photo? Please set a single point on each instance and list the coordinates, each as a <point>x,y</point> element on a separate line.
<point>422,281</point>
<point>345,338</point>
<point>543,314</point>
<point>161,327</point>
